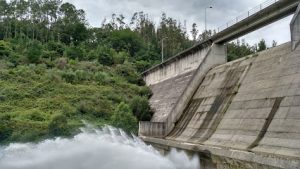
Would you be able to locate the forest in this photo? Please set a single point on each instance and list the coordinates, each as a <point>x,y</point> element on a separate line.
<point>58,72</point>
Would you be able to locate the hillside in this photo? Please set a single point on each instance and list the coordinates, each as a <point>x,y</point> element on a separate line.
<point>57,71</point>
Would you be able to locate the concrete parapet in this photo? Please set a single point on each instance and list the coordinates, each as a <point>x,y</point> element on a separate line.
<point>295,29</point>
<point>180,64</point>
<point>154,129</point>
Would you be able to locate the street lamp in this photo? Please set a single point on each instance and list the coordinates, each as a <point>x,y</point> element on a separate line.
<point>162,49</point>
<point>210,7</point>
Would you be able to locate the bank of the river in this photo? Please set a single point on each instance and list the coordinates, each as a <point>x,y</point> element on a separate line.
<point>38,101</point>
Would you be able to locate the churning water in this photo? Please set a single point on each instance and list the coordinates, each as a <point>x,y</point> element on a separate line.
<point>108,148</point>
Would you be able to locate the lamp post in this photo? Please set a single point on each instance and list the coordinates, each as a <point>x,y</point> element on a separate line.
<point>210,7</point>
<point>162,49</point>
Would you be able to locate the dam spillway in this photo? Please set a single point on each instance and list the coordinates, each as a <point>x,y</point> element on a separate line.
<point>240,114</point>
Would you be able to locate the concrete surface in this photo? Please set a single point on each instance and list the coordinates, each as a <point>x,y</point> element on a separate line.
<point>295,29</point>
<point>247,111</point>
<point>242,114</point>
<point>171,96</point>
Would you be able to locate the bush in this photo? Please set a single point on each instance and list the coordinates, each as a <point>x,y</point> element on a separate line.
<point>123,118</point>
<point>102,77</point>
<point>54,76</point>
<point>126,40</point>
<point>141,109</point>
<point>92,55</point>
<point>69,76</point>
<point>120,57</point>
<point>82,75</point>
<point>36,116</point>
<point>5,128</point>
<point>145,91</point>
<point>128,72</point>
<point>34,52</point>
<point>5,49</point>
<point>100,108</point>
<point>49,54</point>
<point>62,63</point>
<point>105,55</point>
<point>74,52</point>
<point>58,126</point>
<point>56,47</point>
<point>5,132</point>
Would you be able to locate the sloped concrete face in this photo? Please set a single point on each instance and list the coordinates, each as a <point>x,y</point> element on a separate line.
<point>171,96</point>
<point>247,111</point>
<point>169,81</point>
<point>166,94</point>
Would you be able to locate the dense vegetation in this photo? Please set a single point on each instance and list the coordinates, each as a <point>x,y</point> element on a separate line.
<point>56,70</point>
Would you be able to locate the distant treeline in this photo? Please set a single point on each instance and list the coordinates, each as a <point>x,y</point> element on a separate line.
<point>54,21</point>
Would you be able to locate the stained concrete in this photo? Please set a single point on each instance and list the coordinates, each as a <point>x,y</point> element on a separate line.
<point>242,114</point>
<point>172,95</point>
<point>166,94</point>
<point>246,110</point>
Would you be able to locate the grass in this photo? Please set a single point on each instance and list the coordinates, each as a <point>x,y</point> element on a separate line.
<point>31,95</point>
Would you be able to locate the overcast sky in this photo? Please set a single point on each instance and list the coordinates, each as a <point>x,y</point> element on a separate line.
<point>189,10</point>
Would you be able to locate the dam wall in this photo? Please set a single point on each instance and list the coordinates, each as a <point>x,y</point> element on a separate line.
<point>169,80</point>
<point>170,96</point>
<point>295,29</point>
<point>244,114</point>
<point>247,110</point>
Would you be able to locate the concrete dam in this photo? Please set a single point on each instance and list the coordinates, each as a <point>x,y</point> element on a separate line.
<point>240,114</point>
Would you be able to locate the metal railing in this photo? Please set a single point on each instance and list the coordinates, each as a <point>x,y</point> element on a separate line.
<point>246,15</point>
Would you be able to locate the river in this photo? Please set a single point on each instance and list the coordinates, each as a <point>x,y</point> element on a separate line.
<point>106,148</point>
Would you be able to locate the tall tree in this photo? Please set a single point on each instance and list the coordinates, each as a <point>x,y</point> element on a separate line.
<point>194,32</point>
<point>261,45</point>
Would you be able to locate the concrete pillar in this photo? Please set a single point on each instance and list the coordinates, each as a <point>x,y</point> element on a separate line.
<point>219,52</point>
<point>295,29</point>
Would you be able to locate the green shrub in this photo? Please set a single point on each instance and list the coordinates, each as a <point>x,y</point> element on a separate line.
<point>142,65</point>
<point>145,91</point>
<point>113,96</point>
<point>5,132</point>
<point>49,55</point>
<point>82,75</point>
<point>5,127</point>
<point>128,72</point>
<point>126,40</point>
<point>68,109</point>
<point>141,109</point>
<point>99,108</point>
<point>34,52</point>
<point>28,133</point>
<point>58,126</point>
<point>102,77</point>
<point>36,116</point>
<point>54,76</point>
<point>5,49</point>
<point>120,57</point>
<point>62,63</point>
<point>105,55</point>
<point>123,118</point>
<point>69,76</point>
<point>92,55</point>
<point>74,52</point>
<point>56,47</point>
